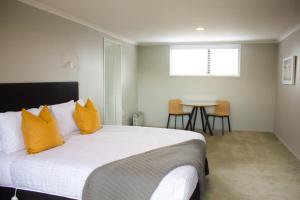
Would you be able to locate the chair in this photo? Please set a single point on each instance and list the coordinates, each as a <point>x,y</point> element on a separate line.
<point>222,110</point>
<point>176,109</point>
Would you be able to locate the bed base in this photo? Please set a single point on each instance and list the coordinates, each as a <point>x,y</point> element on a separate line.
<point>15,96</point>
<point>6,193</point>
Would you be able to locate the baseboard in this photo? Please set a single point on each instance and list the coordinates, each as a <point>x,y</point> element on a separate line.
<point>287,146</point>
<point>217,130</point>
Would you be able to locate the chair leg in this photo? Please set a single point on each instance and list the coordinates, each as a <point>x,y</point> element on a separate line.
<point>175,120</point>
<point>214,123</point>
<point>182,122</point>
<point>229,127</point>
<point>222,125</point>
<point>168,121</point>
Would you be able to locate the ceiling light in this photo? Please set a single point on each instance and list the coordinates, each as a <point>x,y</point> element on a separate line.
<point>200,29</point>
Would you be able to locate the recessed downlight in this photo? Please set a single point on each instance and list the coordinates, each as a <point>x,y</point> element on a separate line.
<point>200,29</point>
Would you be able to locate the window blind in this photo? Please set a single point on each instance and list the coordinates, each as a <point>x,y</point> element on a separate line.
<point>212,60</point>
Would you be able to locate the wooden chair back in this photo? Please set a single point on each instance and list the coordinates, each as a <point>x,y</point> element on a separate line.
<point>175,106</point>
<point>222,108</point>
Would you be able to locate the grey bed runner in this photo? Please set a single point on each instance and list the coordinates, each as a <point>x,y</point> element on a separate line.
<point>137,177</point>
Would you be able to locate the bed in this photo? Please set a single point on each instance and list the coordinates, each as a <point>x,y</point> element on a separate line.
<point>60,173</point>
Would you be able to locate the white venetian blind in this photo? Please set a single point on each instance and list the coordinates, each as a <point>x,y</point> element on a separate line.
<point>224,62</point>
<point>213,60</point>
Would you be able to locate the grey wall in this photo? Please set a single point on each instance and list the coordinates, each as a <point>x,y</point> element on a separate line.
<point>35,46</point>
<point>252,95</point>
<point>287,126</point>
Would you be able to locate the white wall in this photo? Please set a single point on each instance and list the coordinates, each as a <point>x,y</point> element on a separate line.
<point>252,95</point>
<point>287,126</point>
<point>35,44</point>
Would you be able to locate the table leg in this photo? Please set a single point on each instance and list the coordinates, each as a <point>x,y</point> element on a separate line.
<point>189,124</point>
<point>207,122</point>
<point>202,119</point>
<point>195,119</point>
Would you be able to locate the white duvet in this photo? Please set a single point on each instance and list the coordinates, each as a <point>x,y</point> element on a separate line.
<point>63,170</point>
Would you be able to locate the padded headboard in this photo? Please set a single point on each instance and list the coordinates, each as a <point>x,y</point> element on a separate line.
<point>15,96</point>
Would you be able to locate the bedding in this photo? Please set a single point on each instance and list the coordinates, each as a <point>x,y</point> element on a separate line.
<point>11,137</point>
<point>5,163</point>
<point>63,170</point>
<point>64,116</point>
<point>136,177</point>
<point>87,117</point>
<point>40,132</point>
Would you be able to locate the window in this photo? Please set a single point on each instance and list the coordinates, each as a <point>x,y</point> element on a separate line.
<point>213,60</point>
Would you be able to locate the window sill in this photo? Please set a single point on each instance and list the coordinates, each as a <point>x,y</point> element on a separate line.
<point>213,76</point>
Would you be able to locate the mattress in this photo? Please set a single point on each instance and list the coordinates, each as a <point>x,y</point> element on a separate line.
<point>63,170</point>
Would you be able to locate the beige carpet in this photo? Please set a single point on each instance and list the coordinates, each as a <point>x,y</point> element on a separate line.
<point>251,166</point>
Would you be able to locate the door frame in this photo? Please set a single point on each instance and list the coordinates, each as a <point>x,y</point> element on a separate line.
<point>105,39</point>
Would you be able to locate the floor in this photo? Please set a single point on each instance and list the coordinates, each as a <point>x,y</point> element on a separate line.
<point>251,166</point>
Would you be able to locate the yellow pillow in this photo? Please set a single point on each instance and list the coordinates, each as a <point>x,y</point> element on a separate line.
<point>40,132</point>
<point>87,118</point>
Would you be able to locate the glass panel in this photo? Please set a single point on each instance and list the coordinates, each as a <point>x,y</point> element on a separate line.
<point>188,62</point>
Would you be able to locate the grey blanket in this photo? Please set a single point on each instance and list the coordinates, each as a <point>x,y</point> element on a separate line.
<point>137,177</point>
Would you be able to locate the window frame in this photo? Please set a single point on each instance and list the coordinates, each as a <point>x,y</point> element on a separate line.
<point>208,47</point>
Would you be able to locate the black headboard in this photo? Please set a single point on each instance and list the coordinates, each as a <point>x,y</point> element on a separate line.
<point>15,96</point>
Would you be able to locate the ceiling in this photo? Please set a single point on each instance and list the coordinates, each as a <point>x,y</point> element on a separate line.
<point>173,21</point>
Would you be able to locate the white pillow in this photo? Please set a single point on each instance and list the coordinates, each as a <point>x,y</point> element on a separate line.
<point>81,102</point>
<point>64,116</point>
<point>11,136</point>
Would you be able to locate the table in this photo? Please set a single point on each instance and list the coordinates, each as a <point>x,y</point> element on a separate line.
<point>204,118</point>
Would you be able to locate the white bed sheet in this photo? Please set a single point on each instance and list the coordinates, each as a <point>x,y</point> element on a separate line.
<point>5,164</point>
<point>63,170</point>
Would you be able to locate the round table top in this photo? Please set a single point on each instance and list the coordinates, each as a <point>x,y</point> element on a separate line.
<point>200,104</point>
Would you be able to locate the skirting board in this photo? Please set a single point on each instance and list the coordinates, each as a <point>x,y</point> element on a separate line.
<point>287,146</point>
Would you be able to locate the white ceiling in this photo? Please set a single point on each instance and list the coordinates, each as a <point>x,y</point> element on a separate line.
<point>172,21</point>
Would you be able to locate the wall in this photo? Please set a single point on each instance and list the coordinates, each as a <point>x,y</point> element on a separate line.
<point>35,46</point>
<point>287,126</point>
<point>252,95</point>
